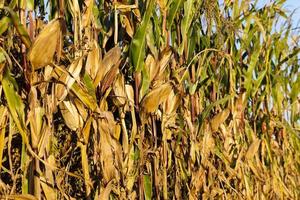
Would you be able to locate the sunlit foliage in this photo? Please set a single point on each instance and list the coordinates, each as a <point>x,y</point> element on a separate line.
<point>167,99</point>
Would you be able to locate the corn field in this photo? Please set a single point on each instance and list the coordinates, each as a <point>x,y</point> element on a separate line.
<point>146,99</point>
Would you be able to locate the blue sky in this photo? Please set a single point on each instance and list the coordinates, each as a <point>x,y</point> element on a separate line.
<point>291,5</point>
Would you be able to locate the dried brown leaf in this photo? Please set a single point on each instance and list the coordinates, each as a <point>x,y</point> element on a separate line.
<point>219,119</point>
<point>70,114</point>
<point>109,78</point>
<point>151,66</point>
<point>126,23</point>
<point>165,57</point>
<point>43,48</point>
<point>129,93</point>
<point>154,98</point>
<point>253,149</point>
<point>111,150</point>
<point>110,59</point>
<point>104,193</point>
<point>93,61</point>
<point>119,90</point>
<point>67,79</point>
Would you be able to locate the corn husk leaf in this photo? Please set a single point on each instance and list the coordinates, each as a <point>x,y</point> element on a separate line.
<point>70,114</point>
<point>155,97</point>
<point>110,59</point>
<point>43,48</point>
<point>219,119</point>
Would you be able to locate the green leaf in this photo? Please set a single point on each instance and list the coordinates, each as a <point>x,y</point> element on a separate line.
<point>19,27</point>
<point>175,6</point>
<point>14,101</point>
<point>30,4</point>
<point>236,9</point>
<point>4,22</point>
<point>211,106</point>
<point>89,85</point>
<point>191,45</point>
<point>145,83</point>
<point>278,97</point>
<point>151,40</point>
<point>251,68</point>
<point>147,187</point>
<point>13,3</point>
<point>295,90</point>
<point>82,92</point>
<point>137,48</point>
<point>258,81</point>
<point>157,24</point>
<point>189,12</point>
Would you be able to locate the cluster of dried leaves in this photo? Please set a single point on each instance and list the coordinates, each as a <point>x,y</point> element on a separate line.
<point>165,99</point>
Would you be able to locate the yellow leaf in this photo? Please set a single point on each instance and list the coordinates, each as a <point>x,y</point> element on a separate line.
<point>81,109</point>
<point>67,79</point>
<point>85,168</point>
<point>151,66</point>
<point>109,78</point>
<point>43,48</point>
<point>70,114</point>
<point>126,23</point>
<point>154,98</point>
<point>86,130</point>
<point>93,61</point>
<point>86,18</point>
<point>104,193</point>
<point>3,121</point>
<point>35,117</point>
<point>111,58</point>
<point>253,149</point>
<point>119,90</point>
<point>171,103</point>
<point>165,59</point>
<point>19,197</point>
<point>129,93</point>
<point>219,119</point>
<point>49,191</point>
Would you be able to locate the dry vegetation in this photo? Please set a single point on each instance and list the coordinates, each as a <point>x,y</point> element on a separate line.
<point>166,99</point>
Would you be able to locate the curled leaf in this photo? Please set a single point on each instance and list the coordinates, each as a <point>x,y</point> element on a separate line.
<point>109,78</point>
<point>152,67</point>
<point>154,98</point>
<point>110,59</point>
<point>253,149</point>
<point>93,61</point>
<point>138,44</point>
<point>219,119</point>
<point>119,90</point>
<point>43,48</point>
<point>126,23</point>
<point>70,114</point>
<point>67,79</point>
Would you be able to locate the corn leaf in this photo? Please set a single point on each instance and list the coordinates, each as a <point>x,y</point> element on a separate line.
<point>15,103</point>
<point>138,44</point>
<point>174,10</point>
